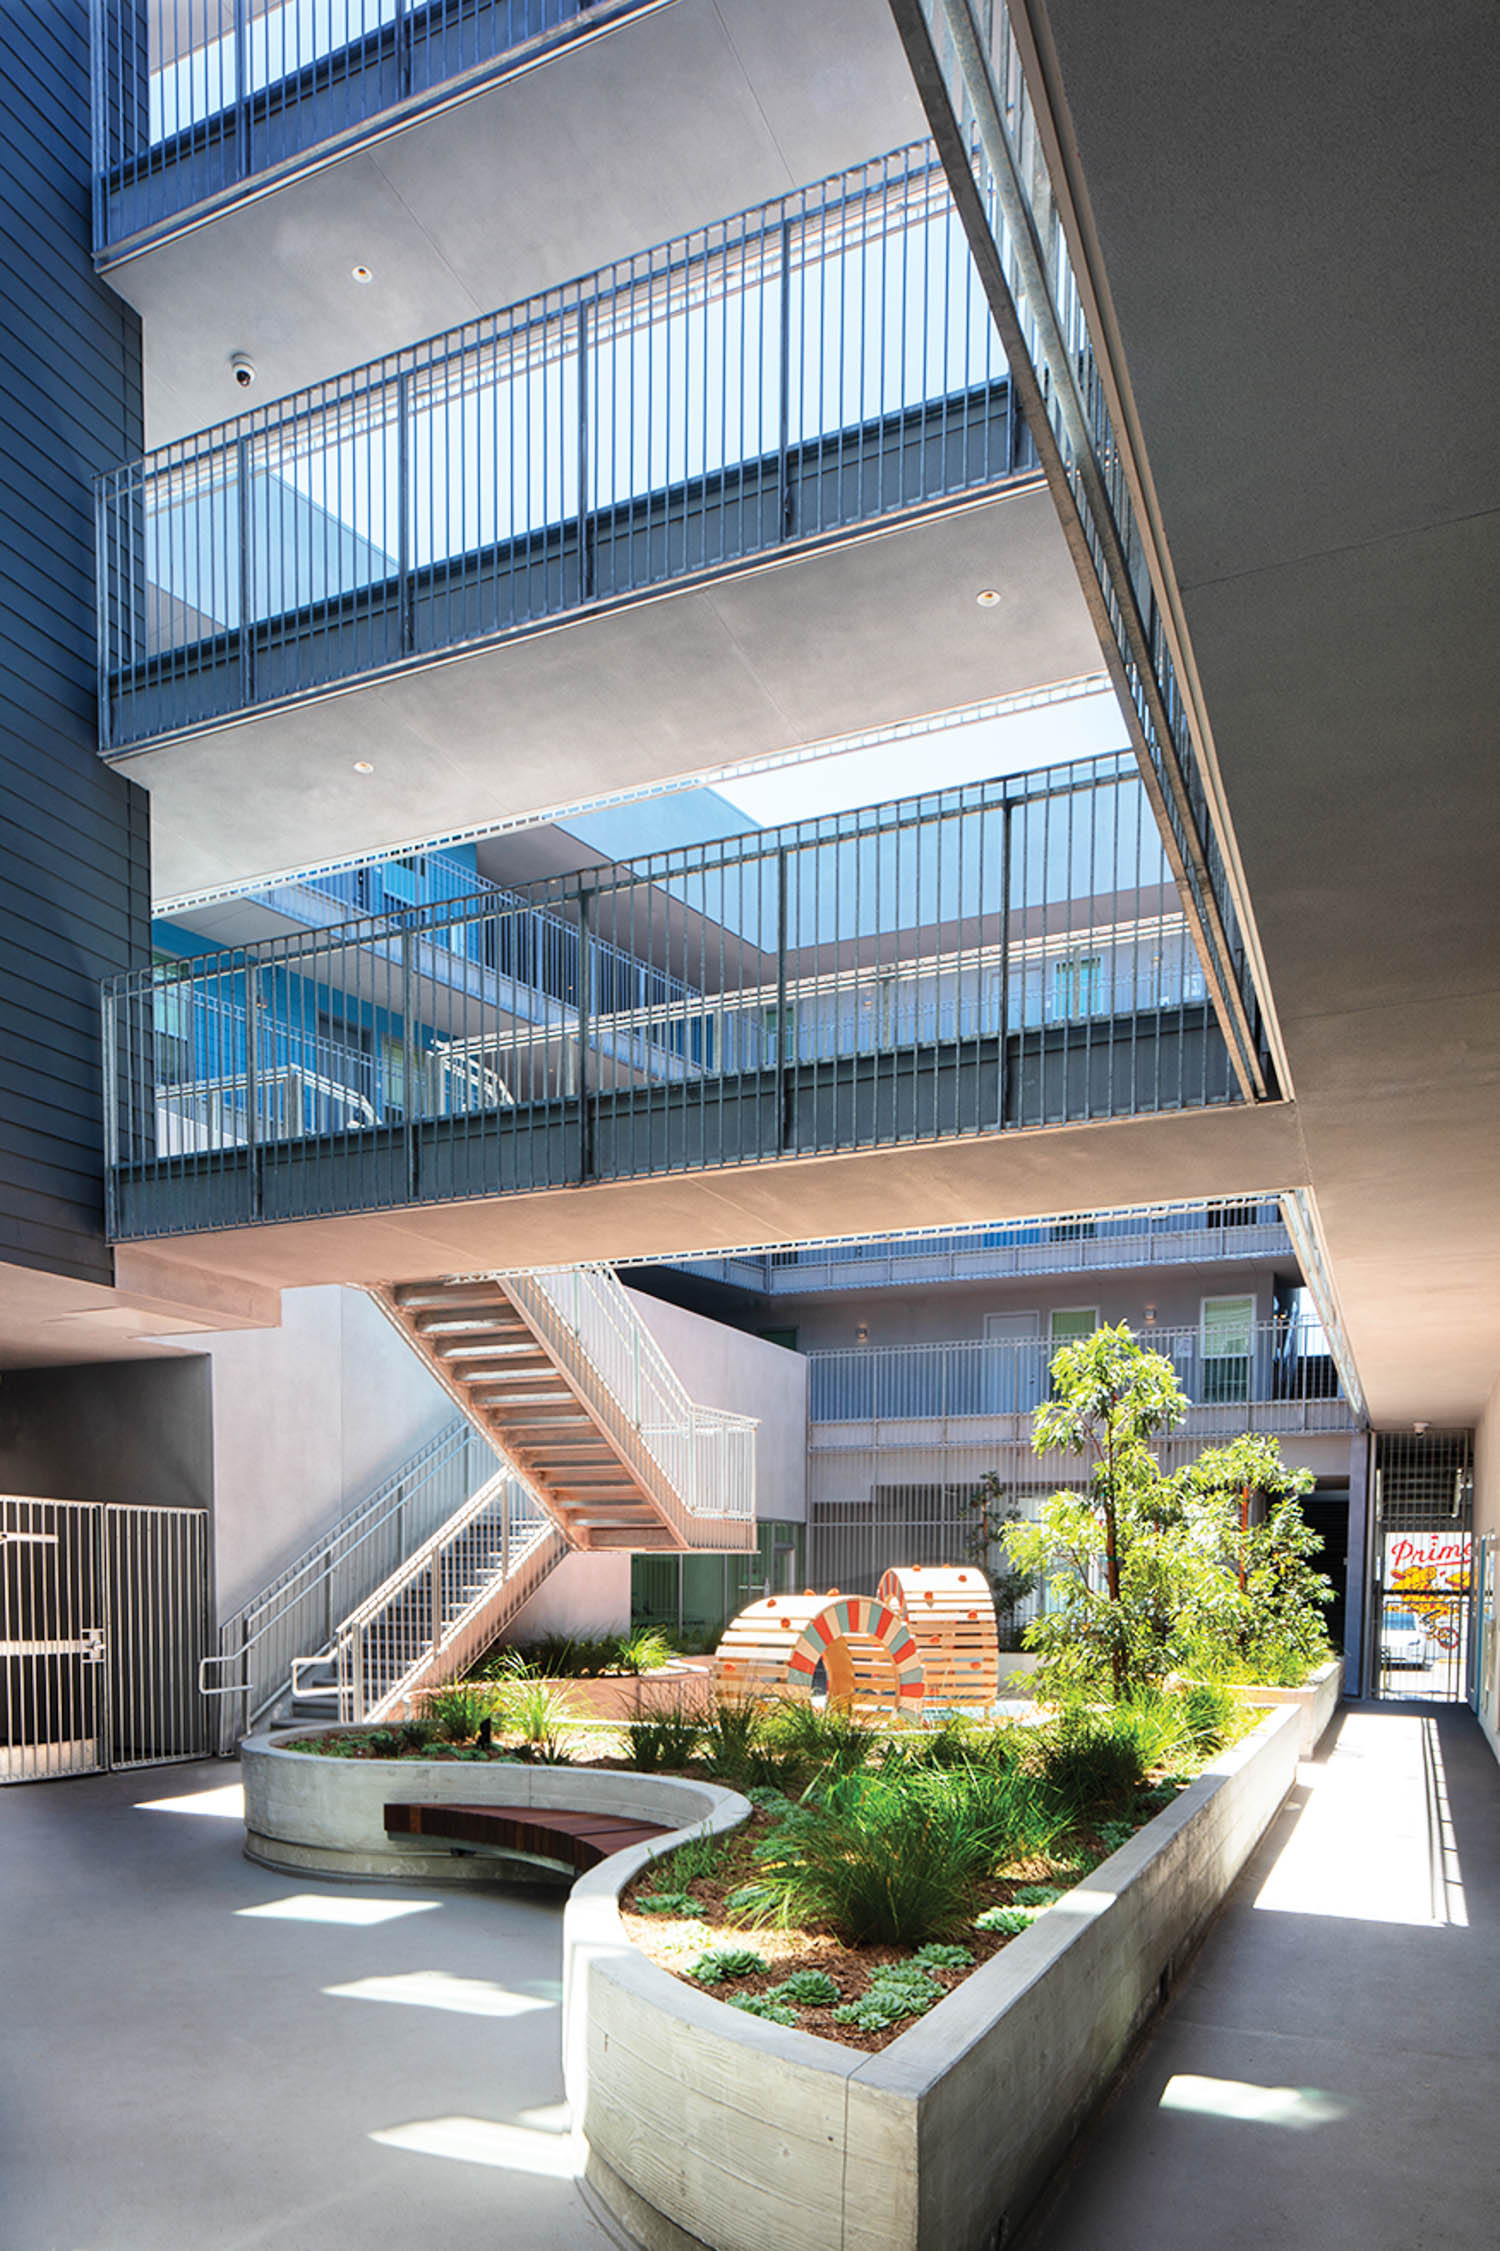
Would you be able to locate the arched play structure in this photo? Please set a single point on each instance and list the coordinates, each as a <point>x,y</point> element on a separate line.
<point>927,1636</point>
<point>866,1649</point>
<point>951,1618</point>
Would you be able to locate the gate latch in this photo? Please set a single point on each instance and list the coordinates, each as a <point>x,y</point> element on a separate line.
<point>92,1647</point>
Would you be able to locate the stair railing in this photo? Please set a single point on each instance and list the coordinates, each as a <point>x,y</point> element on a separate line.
<point>705,1456</point>
<point>437,1612</point>
<point>301,1608</point>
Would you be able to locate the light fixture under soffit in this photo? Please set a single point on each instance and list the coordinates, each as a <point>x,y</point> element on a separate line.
<point>361,273</point>
<point>987,597</point>
<point>363,766</point>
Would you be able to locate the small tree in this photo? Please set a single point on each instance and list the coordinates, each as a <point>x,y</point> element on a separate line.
<point>1120,1558</point>
<point>1271,1628</point>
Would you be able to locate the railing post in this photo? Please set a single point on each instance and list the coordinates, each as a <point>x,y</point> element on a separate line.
<point>109,1066</point>
<point>405,35</point>
<point>408,1069</point>
<point>435,1598</point>
<point>585,1010</point>
<point>586,558</point>
<point>782,1087</point>
<point>242,89</point>
<point>1002,1079</point>
<point>252,1087</point>
<point>784,436</point>
<point>405,606</point>
<point>243,530</point>
<point>505,1494</point>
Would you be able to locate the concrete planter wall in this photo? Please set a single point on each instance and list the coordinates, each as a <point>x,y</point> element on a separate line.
<point>1317,1700</point>
<point>705,2126</point>
<point>308,1813</point>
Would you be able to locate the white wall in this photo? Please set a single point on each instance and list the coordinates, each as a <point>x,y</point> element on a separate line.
<point>584,1594</point>
<point>722,1367</point>
<point>921,1316</point>
<point>307,1419</point>
<point>1487,1520</point>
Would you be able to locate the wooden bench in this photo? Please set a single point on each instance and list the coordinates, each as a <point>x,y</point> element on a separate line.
<point>579,1840</point>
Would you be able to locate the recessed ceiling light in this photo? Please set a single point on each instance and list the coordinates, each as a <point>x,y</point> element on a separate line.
<point>989,596</point>
<point>363,766</point>
<point>362,273</point>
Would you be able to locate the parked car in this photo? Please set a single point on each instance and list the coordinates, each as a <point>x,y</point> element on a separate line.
<point>1403,1641</point>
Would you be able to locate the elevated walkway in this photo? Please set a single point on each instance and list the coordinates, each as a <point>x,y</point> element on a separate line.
<point>1325,2076</point>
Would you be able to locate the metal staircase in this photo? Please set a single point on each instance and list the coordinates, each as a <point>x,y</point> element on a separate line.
<point>559,1372</point>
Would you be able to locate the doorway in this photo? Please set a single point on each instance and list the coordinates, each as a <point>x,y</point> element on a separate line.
<point>1423,1595</point>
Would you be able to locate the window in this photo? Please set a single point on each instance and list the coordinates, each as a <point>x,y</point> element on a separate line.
<point>1077,986</point>
<point>1227,1323</point>
<point>1069,1323</point>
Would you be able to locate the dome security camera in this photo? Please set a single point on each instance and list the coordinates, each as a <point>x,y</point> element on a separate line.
<point>242,367</point>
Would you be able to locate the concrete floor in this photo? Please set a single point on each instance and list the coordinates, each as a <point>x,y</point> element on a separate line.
<point>190,2063</point>
<point>192,2058</point>
<point>1327,2076</point>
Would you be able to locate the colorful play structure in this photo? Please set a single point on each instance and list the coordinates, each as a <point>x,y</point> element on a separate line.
<point>927,1636</point>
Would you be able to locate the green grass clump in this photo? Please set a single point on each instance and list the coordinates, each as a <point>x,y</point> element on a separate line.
<point>645,1650</point>
<point>818,1743</point>
<point>936,1957</point>
<point>663,1739</point>
<point>1091,1761</point>
<point>721,1962</point>
<point>696,1862</point>
<point>808,1989</point>
<point>763,2005</point>
<point>537,1713</point>
<point>894,1856</point>
<point>669,1903</point>
<point>1008,1921</point>
<point>745,1903</point>
<point>456,1713</point>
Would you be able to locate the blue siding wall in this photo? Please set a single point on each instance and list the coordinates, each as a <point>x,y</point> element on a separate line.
<point>74,876</point>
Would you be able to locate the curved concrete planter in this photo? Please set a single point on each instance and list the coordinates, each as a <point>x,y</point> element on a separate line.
<point>303,1813</point>
<point>709,2127</point>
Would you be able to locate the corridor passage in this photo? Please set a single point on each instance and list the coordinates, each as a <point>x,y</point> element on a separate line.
<point>1327,2075</point>
<point>199,2055</point>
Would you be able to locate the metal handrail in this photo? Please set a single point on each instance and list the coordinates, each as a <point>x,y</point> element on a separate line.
<point>589,1323</point>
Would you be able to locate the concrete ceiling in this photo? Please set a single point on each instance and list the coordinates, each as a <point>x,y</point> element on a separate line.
<point>683,115</point>
<point>814,644</point>
<point>1290,214</point>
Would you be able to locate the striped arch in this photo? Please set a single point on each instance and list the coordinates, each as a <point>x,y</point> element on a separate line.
<point>867,1651</point>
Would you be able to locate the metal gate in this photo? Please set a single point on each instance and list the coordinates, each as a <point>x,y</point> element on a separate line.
<point>104,1615</point>
<point>1423,1607</point>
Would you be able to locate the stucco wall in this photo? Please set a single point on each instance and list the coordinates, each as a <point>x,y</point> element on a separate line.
<point>584,1594</point>
<point>721,1367</point>
<point>307,1419</point>
<point>1487,1520</point>
<point>916,1316</point>
<point>136,1431</point>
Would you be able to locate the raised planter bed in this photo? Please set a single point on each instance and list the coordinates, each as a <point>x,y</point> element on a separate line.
<point>705,2126</point>
<point>1317,1700</point>
<point>327,1816</point>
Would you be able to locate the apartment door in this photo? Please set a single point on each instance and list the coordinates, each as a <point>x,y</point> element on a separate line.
<point>104,1616</point>
<point>1014,1365</point>
<point>1227,1322</point>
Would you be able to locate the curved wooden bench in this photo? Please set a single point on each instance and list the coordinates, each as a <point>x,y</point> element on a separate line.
<point>579,1840</point>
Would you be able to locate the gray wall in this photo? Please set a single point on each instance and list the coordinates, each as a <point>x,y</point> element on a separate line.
<point>74,879</point>
<point>138,1431</point>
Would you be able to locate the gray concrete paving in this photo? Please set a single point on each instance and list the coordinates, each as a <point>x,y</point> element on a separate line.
<point>1325,2077</point>
<point>189,2063</point>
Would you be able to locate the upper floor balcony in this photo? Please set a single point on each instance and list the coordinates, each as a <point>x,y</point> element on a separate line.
<point>1265,1375</point>
<point>1005,956</point>
<point>1218,1233</point>
<point>797,423</point>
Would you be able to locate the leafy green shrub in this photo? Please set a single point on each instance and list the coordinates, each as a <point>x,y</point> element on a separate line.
<point>721,1962</point>
<point>1008,1921</point>
<point>665,1738</point>
<point>936,1957</point>
<point>385,1743</point>
<point>763,2005</point>
<point>1113,1834</point>
<point>807,1989</point>
<point>679,1903</point>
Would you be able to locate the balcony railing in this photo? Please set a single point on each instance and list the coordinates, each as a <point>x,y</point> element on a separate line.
<point>195,100</point>
<point>1269,1364</point>
<point>817,364</point>
<point>1094,1242</point>
<point>1003,955</point>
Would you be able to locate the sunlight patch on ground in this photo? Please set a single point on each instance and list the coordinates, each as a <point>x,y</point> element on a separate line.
<point>1373,1788</point>
<point>483,2141</point>
<point>308,1907</point>
<point>1300,2108</point>
<point>227,1804</point>
<point>436,1989</point>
